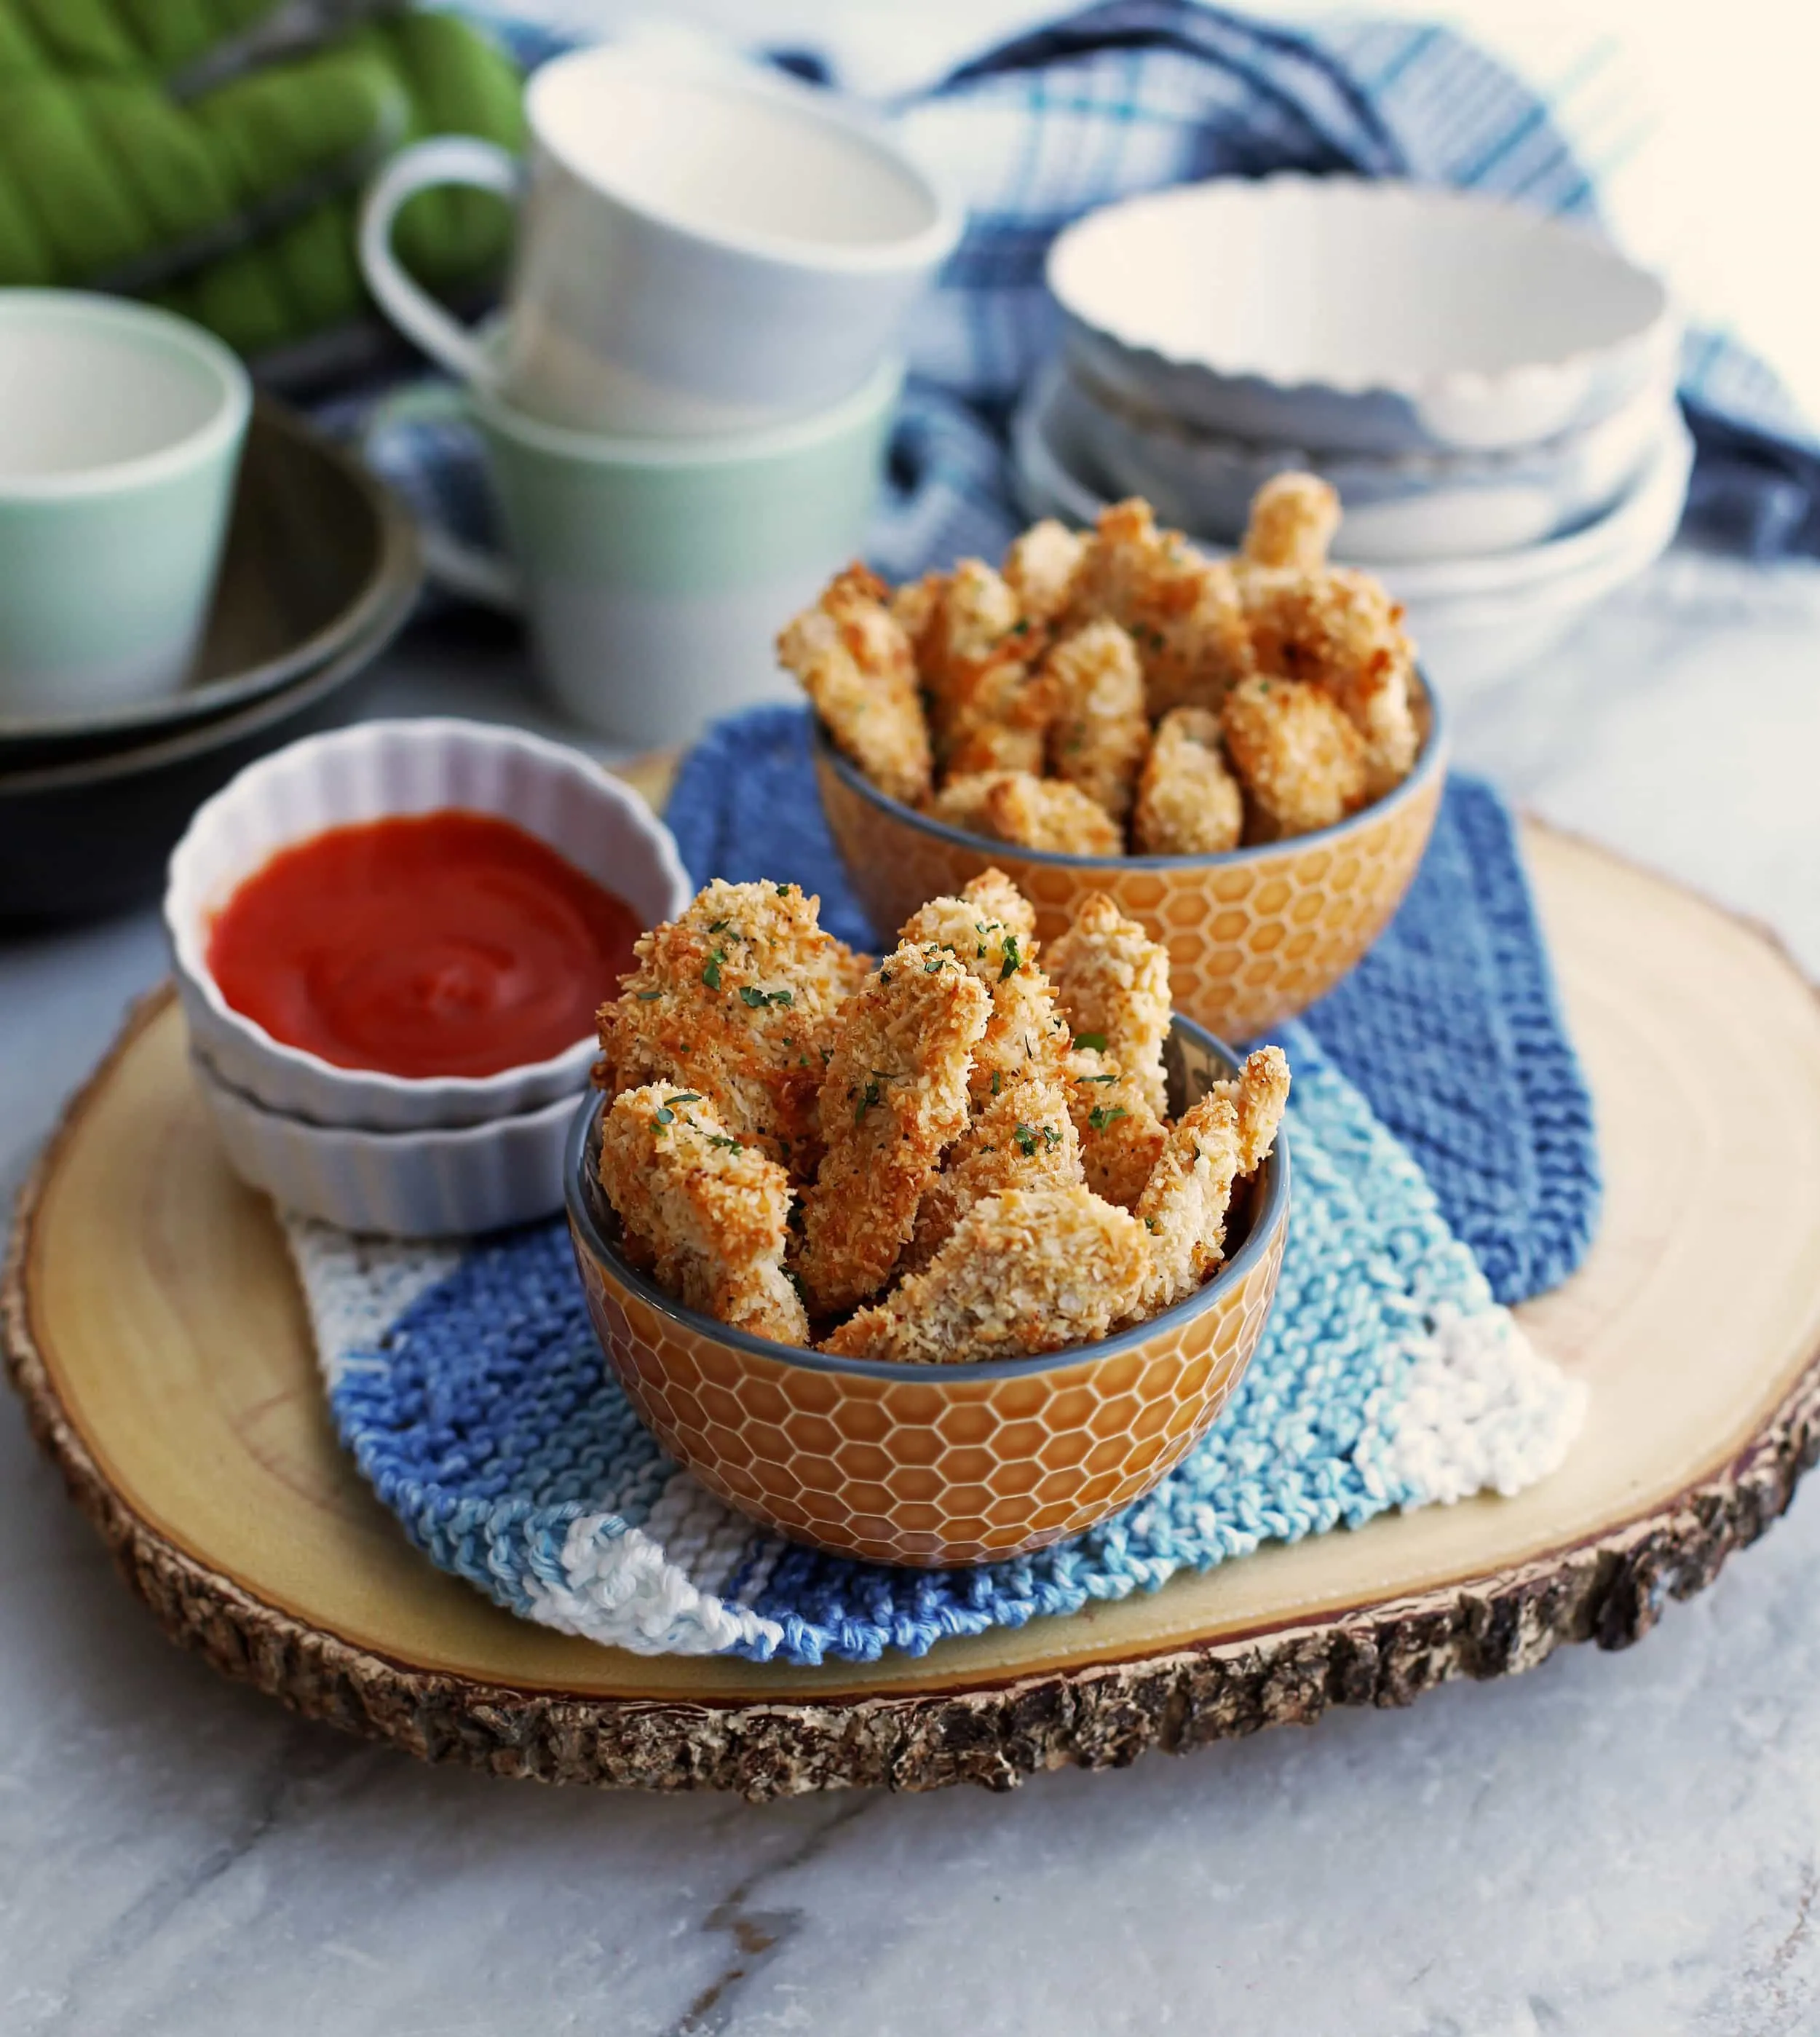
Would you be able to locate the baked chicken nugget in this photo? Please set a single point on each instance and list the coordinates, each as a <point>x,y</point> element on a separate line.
<point>1022,1138</point>
<point>734,1000</point>
<point>1099,729</point>
<point>851,657</point>
<point>1302,760</point>
<point>976,654</point>
<point>1035,813</point>
<point>1188,803</point>
<point>1293,521</point>
<point>1183,1206</point>
<point>1120,1136</point>
<point>1341,628</point>
<point>705,1212</point>
<point>1112,983</point>
<point>1041,568</point>
<point>894,1096</point>
<point>1027,1270</point>
<point>1025,1035</point>
<point>1182,610</point>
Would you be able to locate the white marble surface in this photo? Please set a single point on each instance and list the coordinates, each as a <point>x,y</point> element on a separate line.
<point>1612,1844</point>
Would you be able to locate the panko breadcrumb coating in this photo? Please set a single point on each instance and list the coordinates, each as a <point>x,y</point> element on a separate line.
<point>1303,762</point>
<point>1035,813</point>
<point>735,999</point>
<point>1041,568</point>
<point>1022,1138</point>
<point>706,1213</point>
<point>996,898</point>
<point>856,664</point>
<point>1183,1206</point>
<point>1188,803</point>
<point>1099,729</point>
<point>975,653</point>
<point>1120,1136</point>
<point>1026,1271</point>
<point>1025,1035</point>
<point>1112,983</point>
<point>1341,628</point>
<point>894,1096</point>
<point>1293,521</point>
<point>1182,611</point>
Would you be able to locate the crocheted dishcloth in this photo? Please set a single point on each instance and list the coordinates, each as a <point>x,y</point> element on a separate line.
<point>1450,1025</point>
<point>467,1382</point>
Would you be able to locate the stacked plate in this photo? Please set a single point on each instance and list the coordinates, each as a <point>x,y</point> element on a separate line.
<point>320,570</point>
<point>1491,391</point>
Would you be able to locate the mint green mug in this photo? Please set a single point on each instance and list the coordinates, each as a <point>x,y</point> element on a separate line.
<point>655,573</point>
<point>120,436</point>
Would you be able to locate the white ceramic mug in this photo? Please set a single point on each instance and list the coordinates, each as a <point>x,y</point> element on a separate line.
<point>655,573</point>
<point>699,252</point>
<point>120,436</point>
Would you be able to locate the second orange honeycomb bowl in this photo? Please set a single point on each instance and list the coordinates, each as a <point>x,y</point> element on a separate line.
<point>934,1464</point>
<point>1255,935</point>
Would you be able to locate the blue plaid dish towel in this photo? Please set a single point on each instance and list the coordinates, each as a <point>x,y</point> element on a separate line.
<point>1131,96</point>
<point>466,1381</point>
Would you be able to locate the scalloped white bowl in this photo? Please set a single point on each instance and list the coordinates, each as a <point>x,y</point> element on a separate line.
<point>1340,314</point>
<point>435,1182</point>
<point>370,772</point>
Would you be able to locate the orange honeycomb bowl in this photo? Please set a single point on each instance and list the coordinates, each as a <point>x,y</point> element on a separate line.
<point>923,1464</point>
<point>1254,936</point>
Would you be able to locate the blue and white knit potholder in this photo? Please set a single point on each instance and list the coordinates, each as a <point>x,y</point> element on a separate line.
<point>467,1381</point>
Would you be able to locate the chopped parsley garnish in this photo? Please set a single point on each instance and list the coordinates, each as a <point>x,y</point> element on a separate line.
<point>720,926</point>
<point>711,970</point>
<point>1010,965</point>
<point>664,1116</point>
<point>1101,1115</point>
<point>687,1096</point>
<point>1095,1079</point>
<point>755,1000</point>
<point>883,976</point>
<point>726,1145</point>
<point>1149,1223</point>
<point>933,968</point>
<point>1026,1137</point>
<point>871,1096</point>
<point>1095,1041</point>
<point>995,1078</point>
<point>649,996</point>
<point>784,890</point>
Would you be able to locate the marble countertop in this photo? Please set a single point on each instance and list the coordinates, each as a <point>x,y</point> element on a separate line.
<point>1611,1844</point>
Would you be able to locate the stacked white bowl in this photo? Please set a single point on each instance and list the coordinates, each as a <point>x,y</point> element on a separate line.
<point>369,1151</point>
<point>1491,391</point>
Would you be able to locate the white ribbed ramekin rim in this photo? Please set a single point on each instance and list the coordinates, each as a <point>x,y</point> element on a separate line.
<point>372,771</point>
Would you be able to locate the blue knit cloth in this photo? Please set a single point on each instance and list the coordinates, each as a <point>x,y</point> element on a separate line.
<point>468,1384</point>
<point>1449,1026</point>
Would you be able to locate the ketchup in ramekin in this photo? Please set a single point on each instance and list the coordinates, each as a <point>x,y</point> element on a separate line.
<point>447,943</point>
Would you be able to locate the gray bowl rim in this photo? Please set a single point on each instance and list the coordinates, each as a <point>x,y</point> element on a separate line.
<point>392,565</point>
<point>1272,1213</point>
<point>1431,760</point>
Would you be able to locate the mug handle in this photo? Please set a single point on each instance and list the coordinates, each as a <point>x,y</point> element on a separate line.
<point>446,159</point>
<point>486,577</point>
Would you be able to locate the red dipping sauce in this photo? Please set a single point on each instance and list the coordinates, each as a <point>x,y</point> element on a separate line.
<point>447,943</point>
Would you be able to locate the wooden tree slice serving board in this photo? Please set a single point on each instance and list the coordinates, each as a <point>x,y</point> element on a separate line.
<point>153,1327</point>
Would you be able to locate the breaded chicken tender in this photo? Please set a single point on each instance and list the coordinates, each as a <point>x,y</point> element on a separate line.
<point>1041,568</point>
<point>1099,729</point>
<point>1293,521</point>
<point>1120,1136</point>
<point>1035,813</point>
<point>853,659</point>
<point>1027,1270</point>
<point>705,1212</point>
<point>1302,761</point>
<point>1183,1206</point>
<point>894,1096</point>
<point>1025,1035</point>
<point>996,898</point>
<point>1112,983</point>
<point>975,655</point>
<point>1022,1138</point>
<point>1188,803</point>
<point>735,999</point>
<point>1182,610</point>
<point>1341,628</point>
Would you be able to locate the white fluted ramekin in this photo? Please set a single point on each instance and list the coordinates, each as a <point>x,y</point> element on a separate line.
<point>371,771</point>
<point>425,1184</point>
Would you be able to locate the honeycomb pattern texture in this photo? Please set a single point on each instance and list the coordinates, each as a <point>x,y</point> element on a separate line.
<point>942,1468</point>
<point>1253,939</point>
